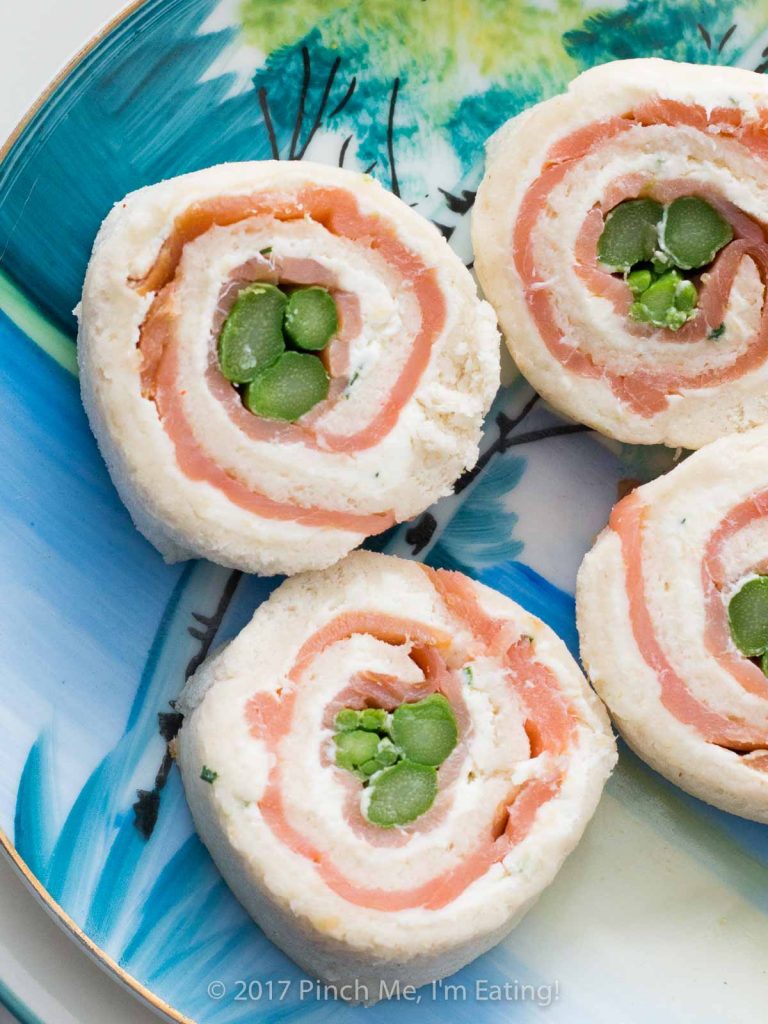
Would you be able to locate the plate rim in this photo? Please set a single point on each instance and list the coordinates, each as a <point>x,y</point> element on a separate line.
<point>125,11</point>
<point>26,876</point>
<point>79,937</point>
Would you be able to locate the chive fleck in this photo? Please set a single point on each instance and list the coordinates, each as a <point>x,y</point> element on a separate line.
<point>208,775</point>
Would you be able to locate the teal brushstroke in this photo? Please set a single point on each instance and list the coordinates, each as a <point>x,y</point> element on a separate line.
<point>115,879</point>
<point>363,117</point>
<point>163,912</point>
<point>76,847</point>
<point>92,859</point>
<point>481,533</point>
<point>140,709</point>
<point>651,28</point>
<point>481,114</point>
<point>35,815</point>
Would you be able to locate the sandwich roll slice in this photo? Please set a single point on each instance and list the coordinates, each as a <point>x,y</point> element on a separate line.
<point>279,360</point>
<point>388,765</point>
<point>620,233</point>
<point>672,608</point>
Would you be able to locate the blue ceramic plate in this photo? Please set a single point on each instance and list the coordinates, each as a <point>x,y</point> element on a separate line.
<point>661,913</point>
